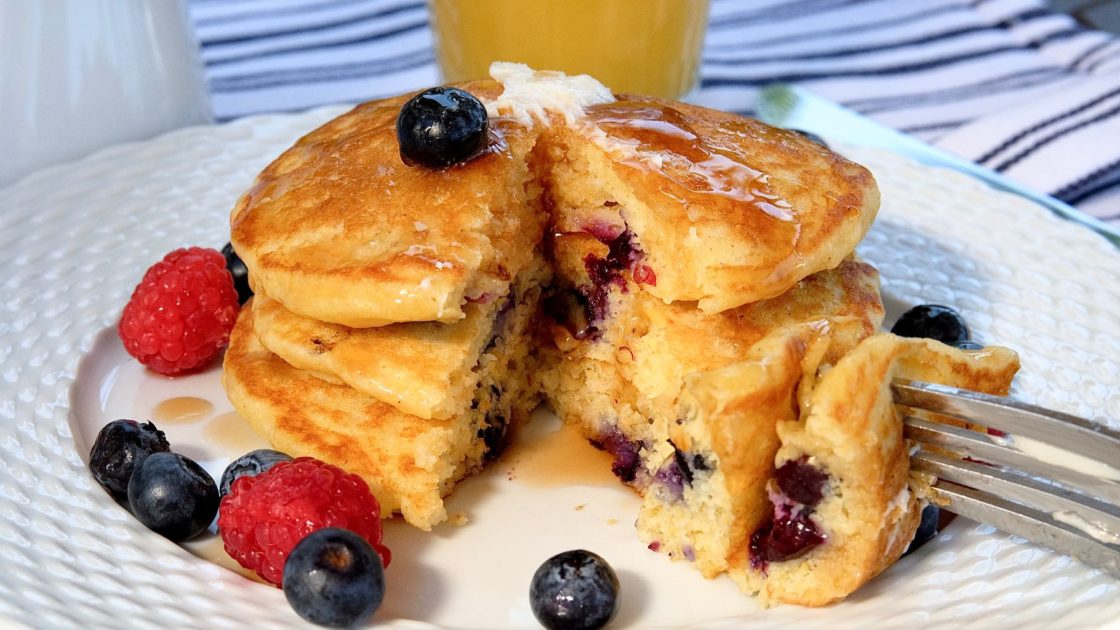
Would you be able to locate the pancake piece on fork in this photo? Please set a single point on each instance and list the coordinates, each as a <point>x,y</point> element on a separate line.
<point>843,503</point>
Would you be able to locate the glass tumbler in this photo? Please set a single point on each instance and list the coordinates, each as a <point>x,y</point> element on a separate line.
<point>634,46</point>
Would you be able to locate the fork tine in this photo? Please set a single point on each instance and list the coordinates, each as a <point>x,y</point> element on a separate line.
<point>1028,523</point>
<point>1011,416</point>
<point>1019,488</point>
<point>979,446</point>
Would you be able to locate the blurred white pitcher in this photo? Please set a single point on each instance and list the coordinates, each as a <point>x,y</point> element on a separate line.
<point>78,75</point>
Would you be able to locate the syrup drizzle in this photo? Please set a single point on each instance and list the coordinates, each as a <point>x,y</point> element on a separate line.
<point>667,144</point>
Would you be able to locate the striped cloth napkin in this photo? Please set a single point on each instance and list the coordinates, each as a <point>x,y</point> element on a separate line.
<point>1006,83</point>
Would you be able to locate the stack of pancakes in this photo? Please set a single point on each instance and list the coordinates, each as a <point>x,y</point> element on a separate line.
<point>672,280</point>
<point>388,331</point>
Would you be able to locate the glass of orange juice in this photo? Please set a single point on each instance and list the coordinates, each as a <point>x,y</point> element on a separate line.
<point>636,46</point>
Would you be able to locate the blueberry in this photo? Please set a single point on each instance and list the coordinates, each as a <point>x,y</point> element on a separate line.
<point>812,136</point>
<point>250,465</point>
<point>681,460</point>
<point>927,528</point>
<point>571,310</point>
<point>784,538</point>
<point>240,273</point>
<point>625,451</point>
<point>969,344</point>
<point>933,321</point>
<point>574,589</point>
<point>441,126</point>
<point>671,476</point>
<point>494,433</point>
<point>333,577</point>
<point>606,272</point>
<point>801,481</point>
<point>173,496</point>
<point>120,447</point>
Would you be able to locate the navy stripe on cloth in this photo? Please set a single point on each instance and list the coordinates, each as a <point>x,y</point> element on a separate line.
<point>337,43</point>
<point>779,13</point>
<point>1011,82</point>
<point>1045,140</point>
<point>1104,179</point>
<point>273,12</point>
<point>320,74</point>
<point>318,28</point>
<point>866,72</point>
<point>845,30</point>
<point>1091,184</point>
<point>1045,123</point>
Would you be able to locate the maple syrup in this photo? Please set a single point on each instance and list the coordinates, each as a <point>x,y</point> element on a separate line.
<point>232,435</point>
<point>544,457</point>
<point>708,176</point>
<point>182,410</point>
<point>667,144</point>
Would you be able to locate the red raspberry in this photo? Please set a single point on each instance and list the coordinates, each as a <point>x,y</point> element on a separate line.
<point>180,315</point>
<point>264,516</point>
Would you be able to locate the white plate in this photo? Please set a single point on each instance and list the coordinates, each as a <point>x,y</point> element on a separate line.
<point>77,238</point>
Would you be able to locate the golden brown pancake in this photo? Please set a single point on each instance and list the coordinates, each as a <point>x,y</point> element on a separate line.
<point>688,402</point>
<point>707,319</point>
<point>427,369</point>
<point>339,229</point>
<point>410,463</point>
<point>650,357</point>
<point>725,210</point>
<point>709,491</point>
<point>634,370</point>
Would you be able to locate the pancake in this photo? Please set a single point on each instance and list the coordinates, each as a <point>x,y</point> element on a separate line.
<point>865,503</point>
<point>410,463</point>
<point>624,383</point>
<point>720,209</point>
<point>628,374</point>
<point>339,229</point>
<point>703,319</point>
<point>709,489</point>
<point>426,369</point>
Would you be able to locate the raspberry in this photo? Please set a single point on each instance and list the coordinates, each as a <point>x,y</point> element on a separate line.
<point>180,315</point>
<point>264,516</point>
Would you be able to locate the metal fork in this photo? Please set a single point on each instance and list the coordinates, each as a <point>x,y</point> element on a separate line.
<point>1046,476</point>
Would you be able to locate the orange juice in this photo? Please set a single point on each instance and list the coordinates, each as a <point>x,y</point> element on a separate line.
<point>636,46</point>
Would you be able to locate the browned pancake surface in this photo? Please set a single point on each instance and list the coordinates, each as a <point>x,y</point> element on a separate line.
<point>726,210</point>
<point>408,462</point>
<point>339,229</point>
